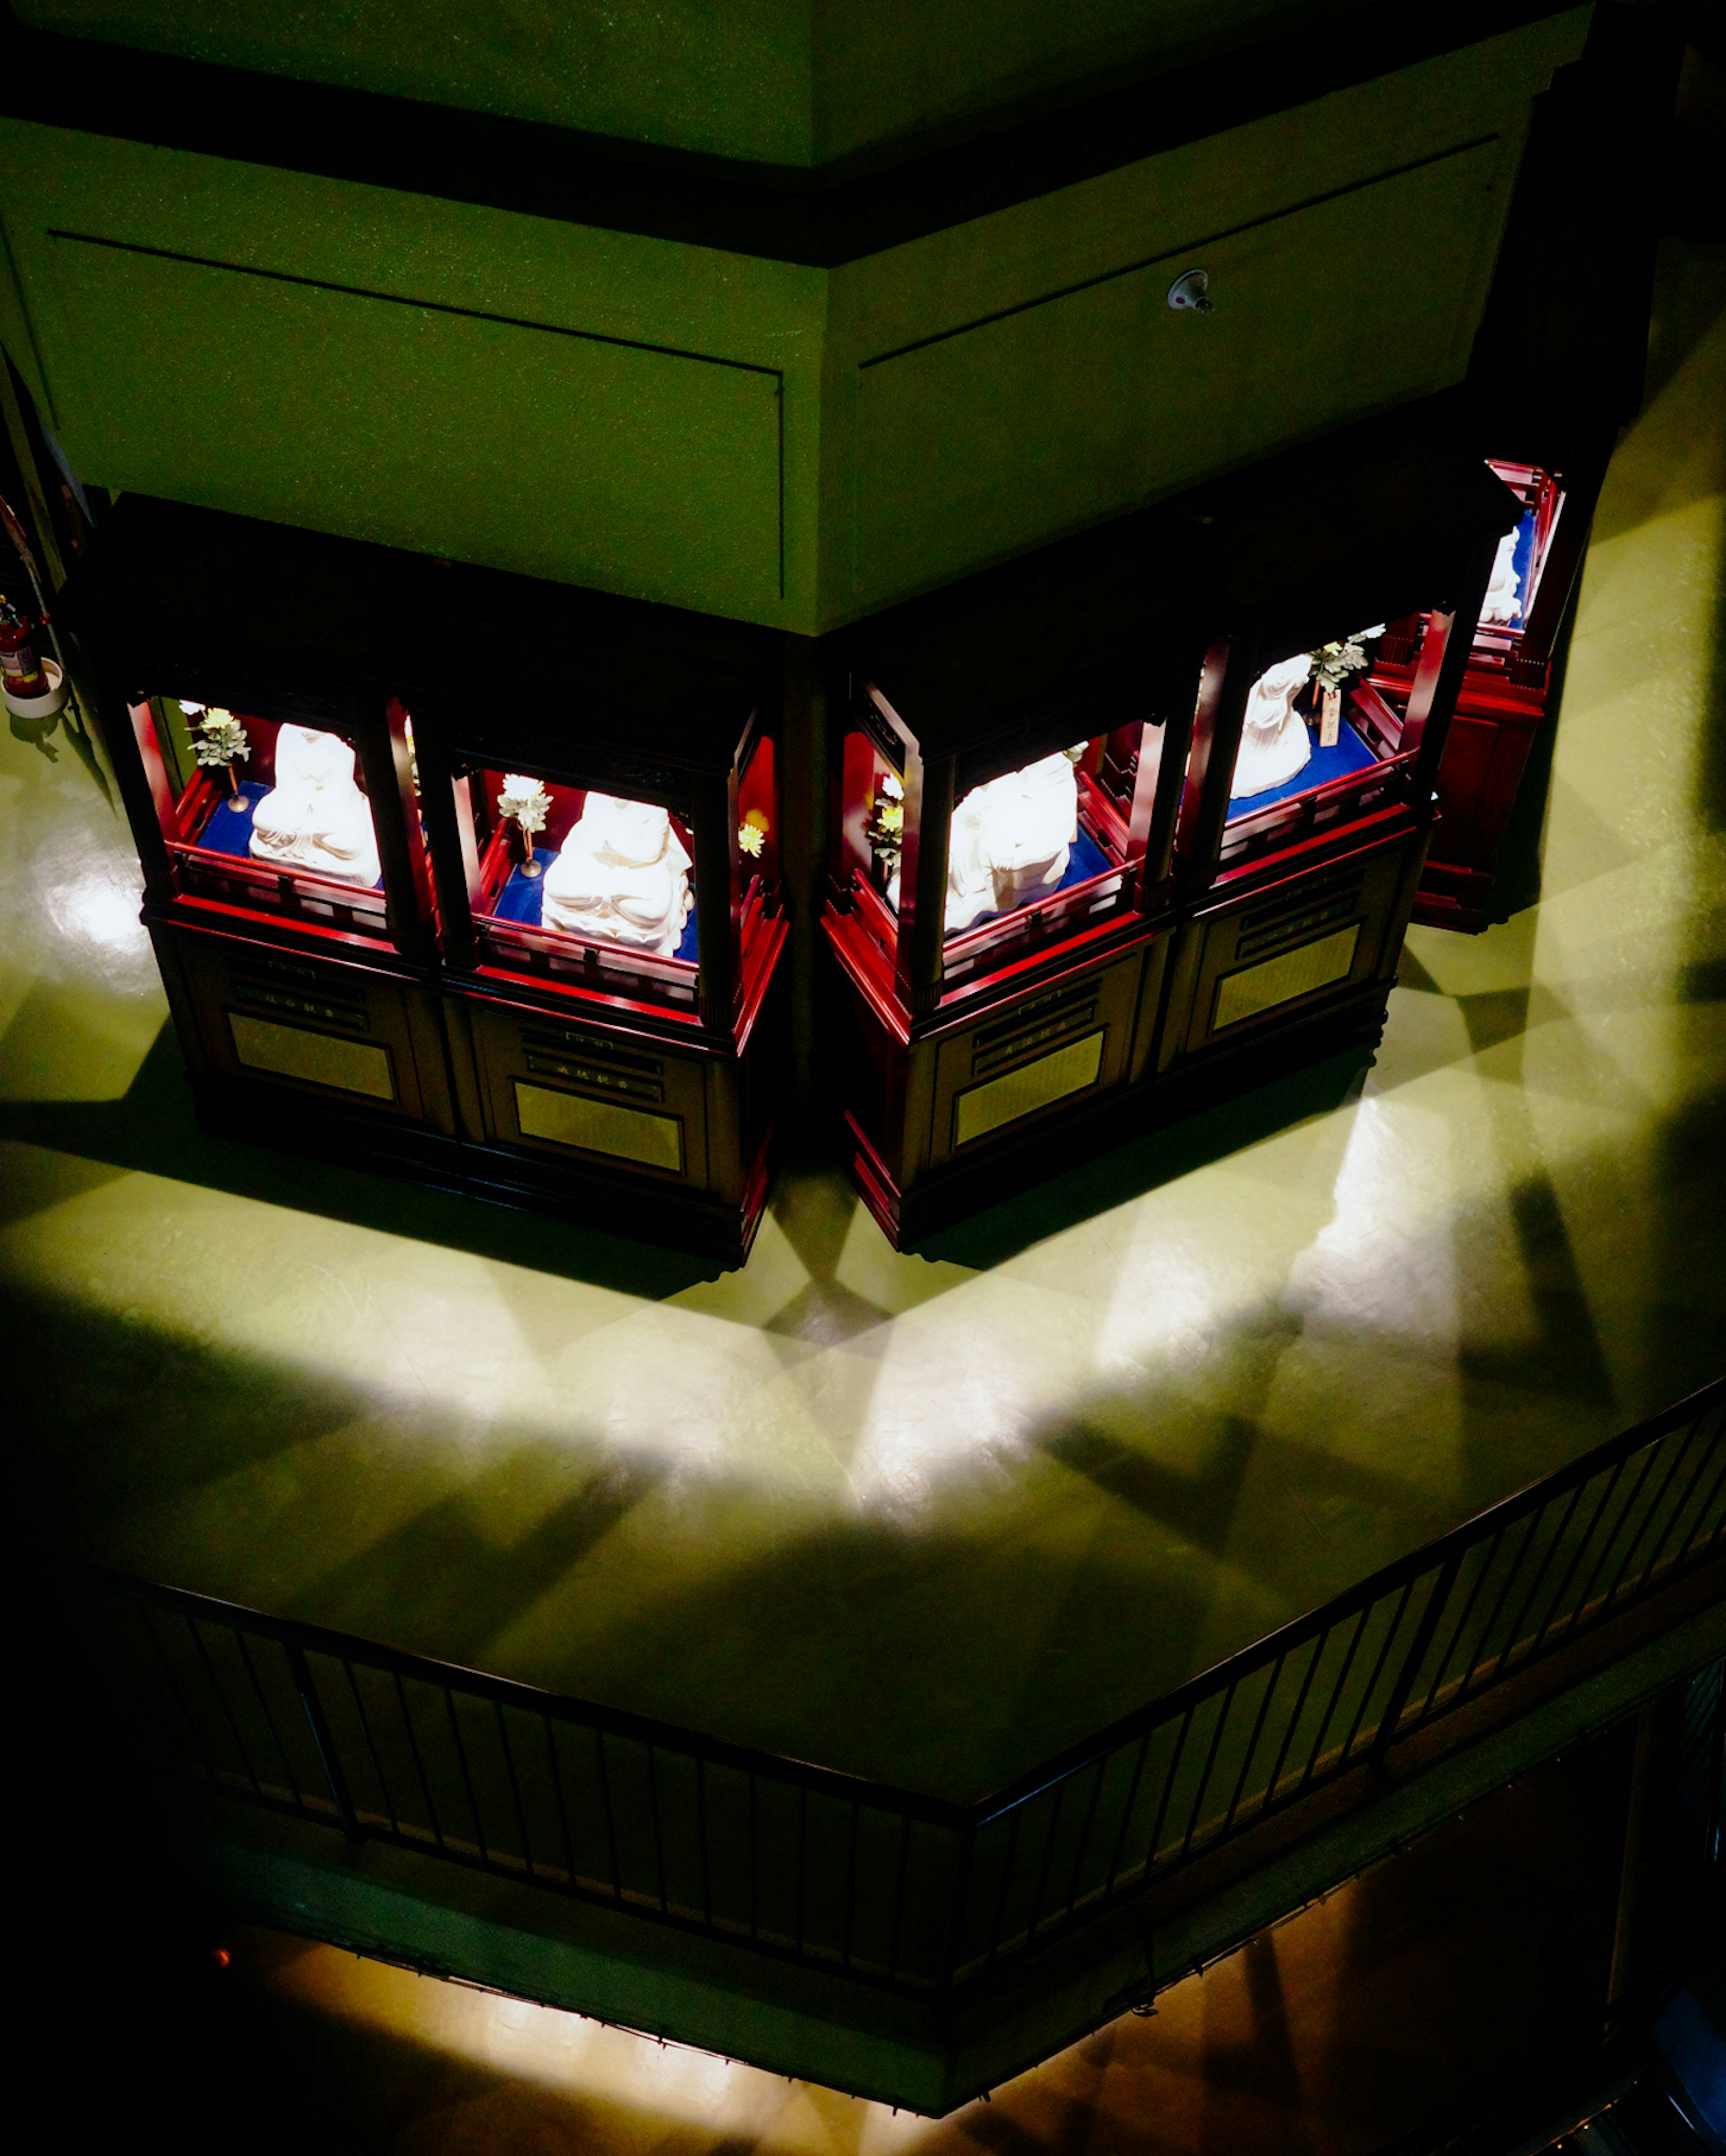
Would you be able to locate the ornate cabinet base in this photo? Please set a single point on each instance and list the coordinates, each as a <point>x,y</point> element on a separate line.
<point>291,1050</point>
<point>947,1115</point>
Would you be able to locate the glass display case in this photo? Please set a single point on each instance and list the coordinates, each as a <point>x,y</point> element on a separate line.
<point>1006,771</point>
<point>606,835</point>
<point>269,789</point>
<point>1351,577</point>
<point>270,817</point>
<point>1504,703</point>
<point>517,932</point>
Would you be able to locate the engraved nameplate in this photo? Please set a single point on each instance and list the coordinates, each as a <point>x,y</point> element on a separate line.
<point>314,1058</point>
<point>600,1126</point>
<point>1280,980</point>
<point>1004,1100</point>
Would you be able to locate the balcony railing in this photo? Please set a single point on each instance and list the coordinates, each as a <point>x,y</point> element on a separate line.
<point>899,1890</point>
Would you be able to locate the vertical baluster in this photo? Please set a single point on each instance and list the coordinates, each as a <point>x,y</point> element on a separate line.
<point>1085,1833</point>
<point>1487,1630</point>
<point>509,1767</point>
<point>364,1722</point>
<point>1167,1795</point>
<point>845,1930</point>
<point>467,1780</point>
<point>322,1736</point>
<point>659,1843</point>
<point>754,1865</point>
<point>1677,1511</point>
<point>1372,1683</point>
<point>1651,1452</point>
<point>1431,1618</point>
<point>616,1876</point>
<point>1223,1713</point>
<point>557,1798</point>
<point>1702,1511</point>
<point>1014,1815</point>
<point>802,1807</point>
<point>1258,1731</point>
<point>215,1685</point>
<point>898,1915</point>
<point>1336,1694</point>
<point>1133,1780</point>
<point>211,1772</point>
<point>1319,1643</point>
<point>419,1772</point>
<point>289,1776</point>
<point>1035,1915</point>
<point>1595,1518</point>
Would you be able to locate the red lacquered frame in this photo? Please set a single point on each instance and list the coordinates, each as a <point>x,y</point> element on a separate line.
<point>1503,704</point>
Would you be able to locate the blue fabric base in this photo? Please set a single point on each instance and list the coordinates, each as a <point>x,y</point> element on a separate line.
<point>1350,753</point>
<point>523,897</point>
<point>229,831</point>
<point>1085,859</point>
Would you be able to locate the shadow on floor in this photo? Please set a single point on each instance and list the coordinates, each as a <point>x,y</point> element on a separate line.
<point>1146,1163</point>
<point>152,1131</point>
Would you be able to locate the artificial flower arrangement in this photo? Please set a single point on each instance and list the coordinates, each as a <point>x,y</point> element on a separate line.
<point>527,805</point>
<point>1331,665</point>
<point>752,834</point>
<point>218,743</point>
<point>885,827</point>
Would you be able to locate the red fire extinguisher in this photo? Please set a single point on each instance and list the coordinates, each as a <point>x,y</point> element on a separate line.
<point>20,669</point>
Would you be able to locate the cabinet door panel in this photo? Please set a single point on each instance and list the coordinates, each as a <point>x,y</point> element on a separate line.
<point>333,1031</point>
<point>566,1090</point>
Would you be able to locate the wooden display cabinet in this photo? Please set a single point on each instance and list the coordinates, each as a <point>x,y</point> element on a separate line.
<point>423,1010</point>
<point>287,893</point>
<point>1295,895</point>
<point>1503,704</point>
<point>612,980</point>
<point>1006,771</point>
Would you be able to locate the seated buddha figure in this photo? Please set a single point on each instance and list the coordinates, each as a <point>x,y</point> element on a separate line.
<point>316,817</point>
<point>1010,840</point>
<point>1503,602</point>
<point>1274,740</point>
<point>622,875</point>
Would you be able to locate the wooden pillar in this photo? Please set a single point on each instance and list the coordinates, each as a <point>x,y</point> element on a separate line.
<point>804,819</point>
<point>922,879</point>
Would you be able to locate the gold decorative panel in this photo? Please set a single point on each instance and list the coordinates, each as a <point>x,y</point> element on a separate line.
<point>569,1119</point>
<point>1004,1100</point>
<point>1280,980</point>
<point>314,1058</point>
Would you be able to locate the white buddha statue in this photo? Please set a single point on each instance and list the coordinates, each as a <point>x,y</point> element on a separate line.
<point>1504,601</point>
<point>622,875</point>
<point>1010,838</point>
<point>1274,740</point>
<point>316,817</point>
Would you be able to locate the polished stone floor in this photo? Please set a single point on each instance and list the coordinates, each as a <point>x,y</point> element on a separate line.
<point>924,1516</point>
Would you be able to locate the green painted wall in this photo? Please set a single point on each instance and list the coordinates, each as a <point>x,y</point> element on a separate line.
<point>785,81</point>
<point>773,443</point>
<point>1022,375</point>
<point>543,397</point>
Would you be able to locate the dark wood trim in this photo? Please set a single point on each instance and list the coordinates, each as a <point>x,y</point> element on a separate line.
<point>819,217</point>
